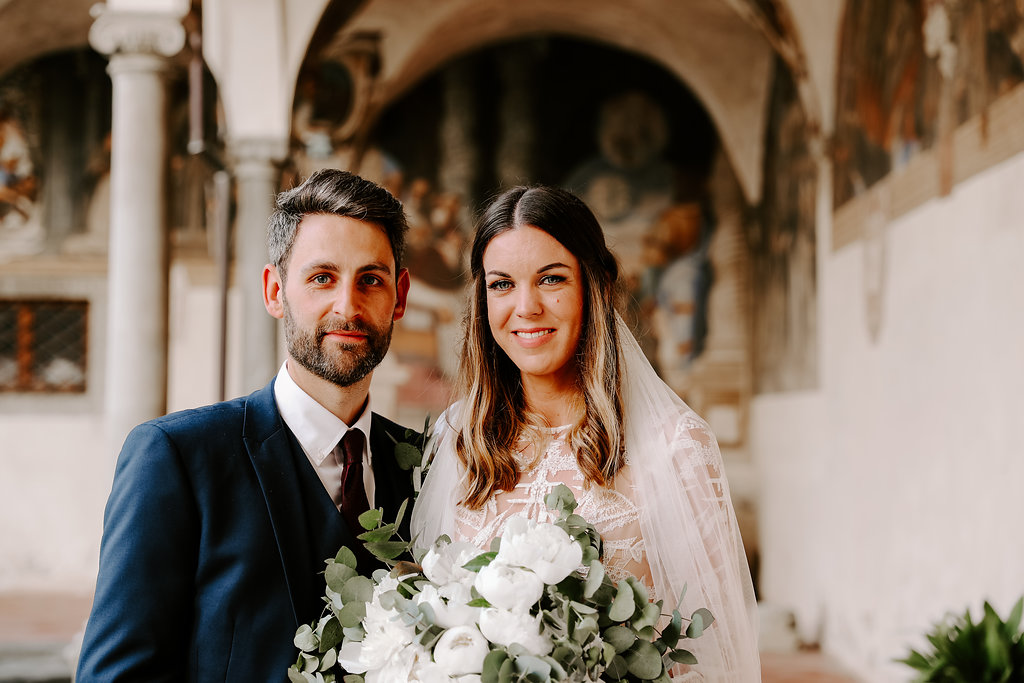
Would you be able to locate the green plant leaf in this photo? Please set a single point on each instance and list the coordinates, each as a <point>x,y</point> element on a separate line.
<point>644,660</point>
<point>304,638</point>
<point>700,620</point>
<point>674,629</point>
<point>594,578</point>
<point>620,637</point>
<point>331,635</point>
<point>492,665</point>
<point>346,557</point>
<point>407,455</point>
<point>382,533</point>
<point>351,615</point>
<point>387,550</point>
<point>371,518</point>
<point>401,512</point>
<point>623,606</point>
<point>480,561</point>
<point>682,657</point>
<point>357,589</point>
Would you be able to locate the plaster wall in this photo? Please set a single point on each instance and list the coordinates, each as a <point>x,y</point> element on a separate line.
<point>892,495</point>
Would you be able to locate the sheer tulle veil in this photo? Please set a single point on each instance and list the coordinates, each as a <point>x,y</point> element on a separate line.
<point>689,527</point>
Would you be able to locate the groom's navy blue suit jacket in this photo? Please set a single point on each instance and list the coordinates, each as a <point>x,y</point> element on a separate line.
<point>213,542</point>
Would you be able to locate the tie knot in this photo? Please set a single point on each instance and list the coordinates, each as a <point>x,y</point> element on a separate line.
<point>352,447</point>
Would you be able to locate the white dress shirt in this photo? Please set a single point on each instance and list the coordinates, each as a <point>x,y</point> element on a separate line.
<point>319,431</point>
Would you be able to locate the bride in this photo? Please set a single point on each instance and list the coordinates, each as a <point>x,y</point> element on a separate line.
<point>555,390</point>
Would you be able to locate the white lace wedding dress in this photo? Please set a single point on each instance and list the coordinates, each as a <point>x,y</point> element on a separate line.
<point>667,519</point>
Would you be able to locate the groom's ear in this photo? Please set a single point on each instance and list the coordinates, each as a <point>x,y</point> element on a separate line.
<point>273,291</point>
<point>402,292</point>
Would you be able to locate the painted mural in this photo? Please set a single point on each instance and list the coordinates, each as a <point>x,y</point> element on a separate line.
<point>782,245</point>
<point>910,71</point>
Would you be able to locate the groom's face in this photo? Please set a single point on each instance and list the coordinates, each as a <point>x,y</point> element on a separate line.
<point>340,298</point>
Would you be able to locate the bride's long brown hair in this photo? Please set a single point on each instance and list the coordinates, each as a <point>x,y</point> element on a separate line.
<point>493,414</point>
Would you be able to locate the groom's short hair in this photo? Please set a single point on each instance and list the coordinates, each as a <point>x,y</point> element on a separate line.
<point>340,193</point>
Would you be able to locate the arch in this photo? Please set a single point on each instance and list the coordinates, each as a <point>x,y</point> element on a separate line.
<point>725,61</point>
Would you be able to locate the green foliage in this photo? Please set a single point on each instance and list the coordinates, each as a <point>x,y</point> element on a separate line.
<point>599,628</point>
<point>962,651</point>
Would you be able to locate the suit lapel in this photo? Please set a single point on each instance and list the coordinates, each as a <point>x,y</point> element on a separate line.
<point>268,442</point>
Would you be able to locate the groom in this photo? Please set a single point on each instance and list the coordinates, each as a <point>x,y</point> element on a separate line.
<point>220,518</point>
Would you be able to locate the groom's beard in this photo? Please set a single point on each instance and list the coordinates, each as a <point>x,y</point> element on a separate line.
<point>345,364</point>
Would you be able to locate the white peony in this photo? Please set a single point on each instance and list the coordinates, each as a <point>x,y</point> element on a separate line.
<point>504,627</point>
<point>386,638</point>
<point>449,604</point>
<point>461,650</point>
<point>402,666</point>
<point>542,547</point>
<point>509,587</point>
<point>443,563</point>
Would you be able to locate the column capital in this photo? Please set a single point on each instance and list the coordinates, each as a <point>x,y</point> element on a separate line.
<point>258,148</point>
<point>134,32</point>
<point>257,156</point>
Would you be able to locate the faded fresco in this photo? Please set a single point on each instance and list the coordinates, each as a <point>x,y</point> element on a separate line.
<point>910,71</point>
<point>54,155</point>
<point>783,252</point>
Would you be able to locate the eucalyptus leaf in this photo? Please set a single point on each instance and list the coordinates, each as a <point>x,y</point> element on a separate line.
<point>357,589</point>
<point>337,574</point>
<point>617,668</point>
<point>329,659</point>
<point>331,636</point>
<point>305,639</point>
<point>480,561</point>
<point>492,664</point>
<point>407,455</point>
<point>346,557</point>
<point>401,512</point>
<point>382,533</point>
<point>387,550</point>
<point>674,629</point>
<point>294,676</point>
<point>594,578</point>
<point>623,606</point>
<point>620,637</point>
<point>528,664</point>
<point>371,518</point>
<point>683,657</point>
<point>351,615</point>
<point>644,660</point>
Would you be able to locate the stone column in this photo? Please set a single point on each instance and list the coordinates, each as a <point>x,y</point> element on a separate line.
<point>136,373</point>
<point>256,176</point>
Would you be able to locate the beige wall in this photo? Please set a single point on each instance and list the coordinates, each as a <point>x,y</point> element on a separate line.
<point>893,494</point>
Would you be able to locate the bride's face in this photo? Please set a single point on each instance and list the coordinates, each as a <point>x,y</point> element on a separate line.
<point>534,302</point>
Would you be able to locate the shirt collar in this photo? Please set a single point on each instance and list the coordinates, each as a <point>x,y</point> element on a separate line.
<point>317,429</point>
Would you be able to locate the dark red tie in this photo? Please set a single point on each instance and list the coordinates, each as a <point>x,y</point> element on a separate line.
<point>353,491</point>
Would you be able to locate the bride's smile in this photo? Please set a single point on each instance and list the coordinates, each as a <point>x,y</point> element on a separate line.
<point>534,303</point>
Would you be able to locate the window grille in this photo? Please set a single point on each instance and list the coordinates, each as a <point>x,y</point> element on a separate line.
<point>43,345</point>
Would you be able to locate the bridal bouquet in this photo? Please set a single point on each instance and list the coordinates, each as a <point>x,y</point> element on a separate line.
<point>536,607</point>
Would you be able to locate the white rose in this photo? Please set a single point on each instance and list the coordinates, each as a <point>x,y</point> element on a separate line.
<point>449,604</point>
<point>443,563</point>
<point>509,587</point>
<point>544,548</point>
<point>503,627</point>
<point>461,650</point>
